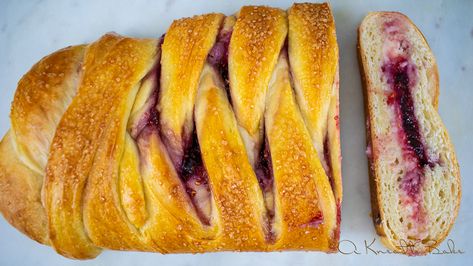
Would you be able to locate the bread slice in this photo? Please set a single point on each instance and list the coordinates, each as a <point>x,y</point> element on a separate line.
<point>414,174</point>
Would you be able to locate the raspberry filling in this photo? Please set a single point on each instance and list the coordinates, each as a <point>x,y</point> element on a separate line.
<point>264,173</point>
<point>149,119</point>
<point>218,56</point>
<point>264,168</point>
<point>401,75</point>
<point>328,163</point>
<point>195,178</point>
<point>190,167</point>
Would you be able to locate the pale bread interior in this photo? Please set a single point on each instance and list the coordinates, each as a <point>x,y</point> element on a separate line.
<point>441,189</point>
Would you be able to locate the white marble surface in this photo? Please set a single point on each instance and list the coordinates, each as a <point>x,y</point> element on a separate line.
<point>31,29</point>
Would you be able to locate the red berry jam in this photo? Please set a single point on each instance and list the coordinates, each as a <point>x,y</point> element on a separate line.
<point>218,56</point>
<point>264,173</point>
<point>263,168</point>
<point>190,167</point>
<point>400,74</point>
<point>196,179</point>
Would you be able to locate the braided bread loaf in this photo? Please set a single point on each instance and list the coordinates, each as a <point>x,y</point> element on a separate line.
<point>221,135</point>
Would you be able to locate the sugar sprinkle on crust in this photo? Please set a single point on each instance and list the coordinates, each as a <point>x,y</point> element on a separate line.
<point>193,142</point>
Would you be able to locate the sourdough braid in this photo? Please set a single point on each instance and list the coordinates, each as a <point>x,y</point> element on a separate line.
<point>205,140</point>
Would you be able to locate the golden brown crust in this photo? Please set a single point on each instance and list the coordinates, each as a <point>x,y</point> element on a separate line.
<point>313,53</point>
<point>333,141</point>
<point>78,168</point>
<point>172,225</point>
<point>113,178</point>
<point>42,96</point>
<point>377,213</point>
<point>238,201</point>
<point>20,197</point>
<point>301,222</point>
<point>184,51</point>
<point>257,38</point>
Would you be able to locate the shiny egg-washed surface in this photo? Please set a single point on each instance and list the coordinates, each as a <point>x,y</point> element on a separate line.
<point>221,135</point>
